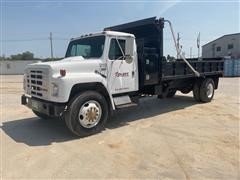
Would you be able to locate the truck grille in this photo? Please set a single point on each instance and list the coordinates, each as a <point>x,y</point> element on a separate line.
<point>36,82</point>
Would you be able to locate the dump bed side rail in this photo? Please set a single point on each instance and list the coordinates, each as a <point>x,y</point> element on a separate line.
<point>179,69</point>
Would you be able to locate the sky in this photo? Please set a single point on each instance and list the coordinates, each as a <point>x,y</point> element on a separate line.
<point>26,24</point>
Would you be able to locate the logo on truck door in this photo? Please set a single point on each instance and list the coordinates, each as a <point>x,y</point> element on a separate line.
<point>118,74</point>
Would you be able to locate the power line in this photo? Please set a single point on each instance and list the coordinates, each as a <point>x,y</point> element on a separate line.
<point>68,39</point>
<point>34,39</point>
<point>22,40</point>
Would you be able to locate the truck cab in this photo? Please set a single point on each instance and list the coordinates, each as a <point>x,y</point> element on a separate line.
<point>105,71</point>
<point>107,58</point>
<point>104,62</point>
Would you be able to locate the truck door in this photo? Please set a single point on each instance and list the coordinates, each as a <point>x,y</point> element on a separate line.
<point>122,67</point>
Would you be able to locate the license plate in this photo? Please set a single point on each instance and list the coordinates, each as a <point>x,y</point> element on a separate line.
<point>35,104</point>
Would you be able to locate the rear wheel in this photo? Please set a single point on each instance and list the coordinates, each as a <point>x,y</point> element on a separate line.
<point>171,93</point>
<point>186,90</point>
<point>168,94</point>
<point>87,114</point>
<point>196,91</point>
<point>207,90</point>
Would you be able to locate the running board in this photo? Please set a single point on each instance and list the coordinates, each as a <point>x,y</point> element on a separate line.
<point>126,105</point>
<point>123,101</point>
<point>119,100</point>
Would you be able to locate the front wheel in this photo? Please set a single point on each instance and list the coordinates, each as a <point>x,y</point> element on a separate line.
<point>87,114</point>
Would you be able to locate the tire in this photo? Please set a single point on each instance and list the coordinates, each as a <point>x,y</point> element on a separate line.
<point>171,93</point>
<point>87,114</point>
<point>168,94</point>
<point>186,90</point>
<point>196,91</point>
<point>207,90</point>
<point>41,115</point>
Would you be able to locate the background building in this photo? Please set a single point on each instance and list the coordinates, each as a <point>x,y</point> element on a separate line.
<point>227,45</point>
<point>14,67</point>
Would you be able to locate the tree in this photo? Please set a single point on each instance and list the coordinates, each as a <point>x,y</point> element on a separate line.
<point>24,56</point>
<point>27,56</point>
<point>170,58</point>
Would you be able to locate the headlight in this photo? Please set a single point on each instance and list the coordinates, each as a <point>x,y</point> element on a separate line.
<point>55,89</point>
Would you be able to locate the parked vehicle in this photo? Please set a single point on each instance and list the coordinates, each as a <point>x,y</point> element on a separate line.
<point>113,69</point>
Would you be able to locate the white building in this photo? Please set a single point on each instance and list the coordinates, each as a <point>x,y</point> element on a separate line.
<point>227,45</point>
<point>14,67</point>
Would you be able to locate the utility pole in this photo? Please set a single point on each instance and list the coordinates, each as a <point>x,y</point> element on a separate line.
<point>51,45</point>
<point>198,45</point>
<point>178,45</point>
<point>190,52</point>
<point>183,53</point>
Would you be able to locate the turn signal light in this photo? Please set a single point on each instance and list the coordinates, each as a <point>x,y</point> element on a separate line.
<point>62,72</point>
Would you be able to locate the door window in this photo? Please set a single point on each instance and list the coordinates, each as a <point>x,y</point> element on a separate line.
<point>115,52</point>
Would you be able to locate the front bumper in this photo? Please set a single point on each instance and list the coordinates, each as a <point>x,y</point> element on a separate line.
<point>49,108</point>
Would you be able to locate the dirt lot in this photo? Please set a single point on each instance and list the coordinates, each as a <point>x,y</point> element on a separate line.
<point>165,139</point>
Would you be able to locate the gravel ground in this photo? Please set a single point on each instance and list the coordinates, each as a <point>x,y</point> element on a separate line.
<point>161,139</point>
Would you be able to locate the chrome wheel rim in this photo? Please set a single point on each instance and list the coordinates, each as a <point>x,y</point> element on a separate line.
<point>90,114</point>
<point>210,90</point>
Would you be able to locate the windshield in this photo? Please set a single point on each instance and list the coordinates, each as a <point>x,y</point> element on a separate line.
<point>90,47</point>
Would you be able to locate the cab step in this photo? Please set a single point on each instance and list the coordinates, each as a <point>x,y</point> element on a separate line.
<point>126,105</point>
<point>123,101</point>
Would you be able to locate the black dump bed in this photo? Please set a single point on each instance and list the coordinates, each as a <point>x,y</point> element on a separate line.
<point>153,66</point>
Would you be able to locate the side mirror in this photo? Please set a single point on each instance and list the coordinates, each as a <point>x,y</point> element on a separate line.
<point>129,50</point>
<point>128,59</point>
<point>129,46</point>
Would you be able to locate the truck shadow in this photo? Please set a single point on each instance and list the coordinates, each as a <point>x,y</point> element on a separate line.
<point>149,107</point>
<point>38,132</point>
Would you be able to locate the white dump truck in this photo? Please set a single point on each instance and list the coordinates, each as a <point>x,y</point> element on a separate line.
<point>113,69</point>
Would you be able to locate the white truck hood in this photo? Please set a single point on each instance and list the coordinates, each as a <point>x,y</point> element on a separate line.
<point>75,64</point>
